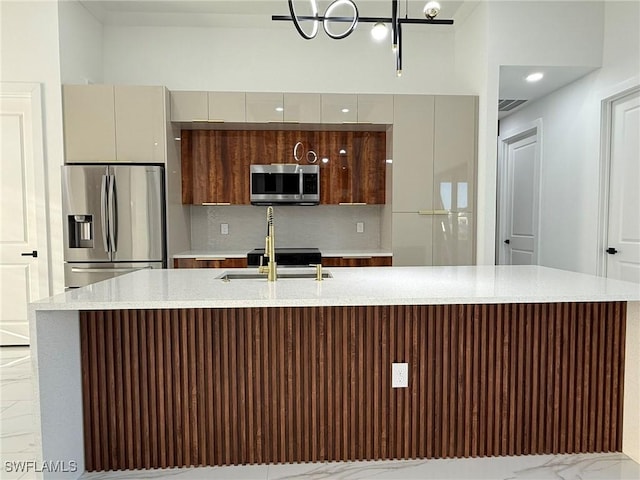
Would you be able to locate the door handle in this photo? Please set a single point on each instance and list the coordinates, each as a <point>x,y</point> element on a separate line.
<point>33,254</point>
<point>507,241</point>
<point>611,251</point>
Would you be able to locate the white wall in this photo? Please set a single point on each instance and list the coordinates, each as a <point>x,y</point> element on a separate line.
<point>571,144</point>
<point>278,59</point>
<point>80,44</point>
<point>29,53</point>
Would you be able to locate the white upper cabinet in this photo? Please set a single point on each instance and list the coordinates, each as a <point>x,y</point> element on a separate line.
<point>302,107</point>
<point>189,107</point>
<point>339,108</point>
<point>375,109</point>
<point>265,107</point>
<point>103,123</point>
<point>89,123</point>
<point>227,107</point>
<point>413,153</point>
<point>140,124</point>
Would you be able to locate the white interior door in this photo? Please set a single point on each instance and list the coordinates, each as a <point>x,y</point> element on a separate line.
<point>24,277</point>
<point>520,185</point>
<point>623,246</point>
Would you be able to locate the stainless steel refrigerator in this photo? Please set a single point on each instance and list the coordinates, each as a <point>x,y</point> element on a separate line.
<point>113,221</point>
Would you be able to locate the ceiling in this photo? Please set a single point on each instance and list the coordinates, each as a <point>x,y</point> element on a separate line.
<point>513,85</point>
<point>235,13</point>
<point>257,13</point>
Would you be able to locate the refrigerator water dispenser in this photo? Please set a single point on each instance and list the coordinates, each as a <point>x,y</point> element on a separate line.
<point>80,231</point>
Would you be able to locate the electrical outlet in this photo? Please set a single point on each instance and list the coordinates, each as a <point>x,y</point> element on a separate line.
<point>359,227</point>
<point>224,228</point>
<point>399,375</point>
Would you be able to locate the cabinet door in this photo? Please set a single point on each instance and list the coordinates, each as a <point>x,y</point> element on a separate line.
<point>454,153</point>
<point>231,156</point>
<point>339,108</point>
<point>453,239</point>
<point>302,107</point>
<point>356,261</point>
<point>189,107</point>
<point>198,174</point>
<point>227,107</point>
<point>209,263</point>
<point>265,107</point>
<point>413,153</point>
<point>140,124</point>
<point>89,123</point>
<point>375,109</point>
<point>412,239</point>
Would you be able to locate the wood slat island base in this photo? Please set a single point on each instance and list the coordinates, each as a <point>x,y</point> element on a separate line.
<point>209,386</point>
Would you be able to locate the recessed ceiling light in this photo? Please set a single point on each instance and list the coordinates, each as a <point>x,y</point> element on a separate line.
<point>279,109</point>
<point>345,110</point>
<point>534,77</point>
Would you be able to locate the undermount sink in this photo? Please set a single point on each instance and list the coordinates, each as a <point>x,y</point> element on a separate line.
<point>228,276</point>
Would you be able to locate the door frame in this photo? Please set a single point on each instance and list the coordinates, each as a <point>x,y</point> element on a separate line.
<point>502,197</point>
<point>606,131</point>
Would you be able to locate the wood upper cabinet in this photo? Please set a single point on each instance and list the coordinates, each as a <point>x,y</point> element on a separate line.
<point>339,108</point>
<point>213,173</point>
<point>189,106</point>
<point>227,107</point>
<point>375,109</point>
<point>103,123</point>
<point>356,170</point>
<point>265,107</point>
<point>89,123</point>
<point>302,107</point>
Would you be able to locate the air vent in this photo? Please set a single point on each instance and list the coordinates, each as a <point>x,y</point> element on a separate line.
<point>508,105</point>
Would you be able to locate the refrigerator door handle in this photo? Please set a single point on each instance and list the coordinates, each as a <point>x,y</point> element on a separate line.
<point>104,213</point>
<point>113,214</point>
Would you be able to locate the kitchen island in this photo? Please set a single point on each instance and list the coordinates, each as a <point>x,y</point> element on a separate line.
<point>164,368</point>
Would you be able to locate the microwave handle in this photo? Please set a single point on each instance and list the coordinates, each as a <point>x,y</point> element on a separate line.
<point>301,185</point>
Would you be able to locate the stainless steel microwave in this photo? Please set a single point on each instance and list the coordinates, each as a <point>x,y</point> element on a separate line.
<point>281,183</point>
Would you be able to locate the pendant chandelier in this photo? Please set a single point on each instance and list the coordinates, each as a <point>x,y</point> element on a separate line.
<point>341,26</point>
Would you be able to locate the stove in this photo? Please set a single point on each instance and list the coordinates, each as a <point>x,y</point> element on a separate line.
<point>289,257</point>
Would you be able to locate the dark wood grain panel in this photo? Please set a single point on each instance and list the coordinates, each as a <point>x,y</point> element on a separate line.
<point>203,263</point>
<point>191,387</point>
<point>215,163</point>
<point>357,262</point>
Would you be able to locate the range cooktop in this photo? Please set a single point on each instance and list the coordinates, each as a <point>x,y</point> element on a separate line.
<point>286,256</point>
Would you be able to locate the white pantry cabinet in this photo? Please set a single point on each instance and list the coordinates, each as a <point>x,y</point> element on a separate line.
<point>434,171</point>
<point>103,123</point>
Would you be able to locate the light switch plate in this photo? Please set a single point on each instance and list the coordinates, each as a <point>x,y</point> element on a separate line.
<point>224,228</point>
<point>399,375</point>
<point>359,227</point>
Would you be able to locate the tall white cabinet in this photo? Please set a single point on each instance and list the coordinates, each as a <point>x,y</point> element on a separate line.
<point>434,158</point>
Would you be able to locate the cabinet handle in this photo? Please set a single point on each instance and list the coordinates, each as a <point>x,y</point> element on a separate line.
<point>214,204</point>
<point>215,121</point>
<point>223,203</point>
<point>425,212</point>
<point>200,120</point>
<point>352,203</point>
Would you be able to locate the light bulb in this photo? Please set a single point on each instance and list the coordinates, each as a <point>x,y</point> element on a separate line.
<point>379,31</point>
<point>431,10</point>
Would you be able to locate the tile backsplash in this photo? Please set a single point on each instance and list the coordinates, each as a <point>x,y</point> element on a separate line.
<point>328,227</point>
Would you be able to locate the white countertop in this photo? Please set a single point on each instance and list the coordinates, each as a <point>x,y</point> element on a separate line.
<point>212,254</point>
<point>200,288</point>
